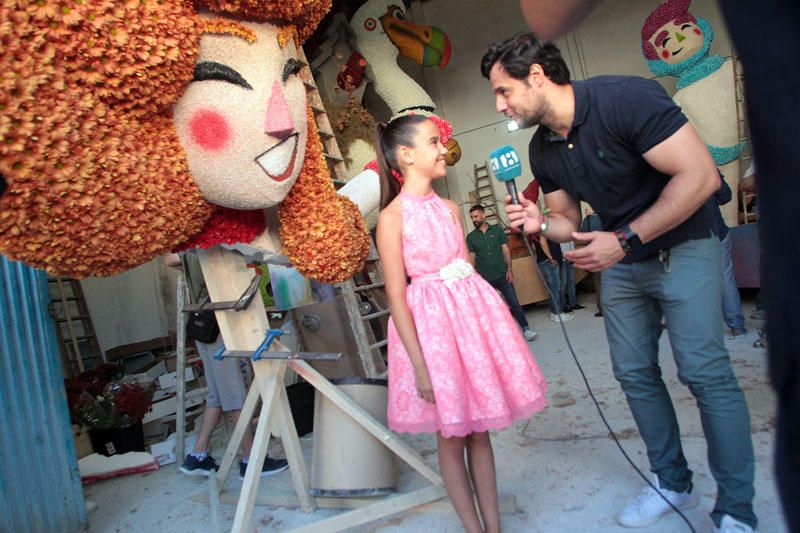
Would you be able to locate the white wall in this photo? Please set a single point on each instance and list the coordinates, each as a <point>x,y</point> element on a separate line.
<point>134,306</point>
<point>607,42</point>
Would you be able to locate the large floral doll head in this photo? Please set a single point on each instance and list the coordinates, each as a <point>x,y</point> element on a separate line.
<point>673,40</point>
<point>131,128</point>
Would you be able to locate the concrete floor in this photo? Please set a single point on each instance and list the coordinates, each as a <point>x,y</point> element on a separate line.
<point>564,471</point>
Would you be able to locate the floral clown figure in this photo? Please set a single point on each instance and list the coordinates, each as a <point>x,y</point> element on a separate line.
<point>131,129</point>
<point>675,43</point>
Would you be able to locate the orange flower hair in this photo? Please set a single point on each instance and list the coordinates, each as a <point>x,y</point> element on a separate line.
<point>97,178</point>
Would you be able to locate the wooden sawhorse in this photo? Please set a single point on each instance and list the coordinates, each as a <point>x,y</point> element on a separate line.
<point>227,278</point>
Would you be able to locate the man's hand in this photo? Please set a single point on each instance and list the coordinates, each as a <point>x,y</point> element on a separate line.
<point>602,251</point>
<point>509,276</point>
<point>526,214</point>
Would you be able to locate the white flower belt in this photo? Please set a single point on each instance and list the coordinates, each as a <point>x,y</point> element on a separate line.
<point>450,273</point>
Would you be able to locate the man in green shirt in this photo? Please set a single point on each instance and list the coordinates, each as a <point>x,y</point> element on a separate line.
<point>489,245</point>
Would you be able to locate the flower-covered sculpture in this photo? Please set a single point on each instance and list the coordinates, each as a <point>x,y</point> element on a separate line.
<point>382,33</point>
<point>132,128</point>
<point>675,43</point>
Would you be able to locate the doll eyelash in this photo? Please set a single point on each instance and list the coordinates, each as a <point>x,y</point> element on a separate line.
<point>292,66</point>
<point>211,70</point>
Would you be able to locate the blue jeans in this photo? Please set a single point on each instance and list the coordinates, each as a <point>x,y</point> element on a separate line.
<point>553,280</point>
<point>568,284</point>
<point>686,289</point>
<point>510,296</point>
<point>731,303</point>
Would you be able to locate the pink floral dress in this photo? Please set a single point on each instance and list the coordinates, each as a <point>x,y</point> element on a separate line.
<point>482,371</point>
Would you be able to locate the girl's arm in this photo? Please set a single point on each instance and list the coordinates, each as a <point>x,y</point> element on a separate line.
<point>390,248</point>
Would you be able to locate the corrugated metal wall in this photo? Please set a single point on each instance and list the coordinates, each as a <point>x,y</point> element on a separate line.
<point>39,479</point>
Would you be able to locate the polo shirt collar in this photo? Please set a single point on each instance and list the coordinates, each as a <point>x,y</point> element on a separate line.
<point>581,109</point>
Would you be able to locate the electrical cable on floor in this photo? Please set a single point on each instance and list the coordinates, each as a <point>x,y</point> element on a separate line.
<point>591,394</point>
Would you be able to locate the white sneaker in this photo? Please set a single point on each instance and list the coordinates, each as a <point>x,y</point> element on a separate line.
<point>649,507</point>
<point>530,335</point>
<point>555,317</point>
<point>730,525</point>
<point>561,317</point>
<point>566,317</point>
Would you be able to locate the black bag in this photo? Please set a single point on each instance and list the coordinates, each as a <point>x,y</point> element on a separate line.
<point>202,326</point>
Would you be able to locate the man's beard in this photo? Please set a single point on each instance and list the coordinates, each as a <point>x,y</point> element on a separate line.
<point>534,118</point>
<point>477,224</point>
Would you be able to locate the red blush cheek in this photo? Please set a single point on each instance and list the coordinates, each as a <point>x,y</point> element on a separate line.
<point>209,130</point>
<point>664,54</point>
<point>698,32</point>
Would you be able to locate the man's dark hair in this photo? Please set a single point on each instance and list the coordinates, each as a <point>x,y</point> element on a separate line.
<point>477,207</point>
<point>516,55</point>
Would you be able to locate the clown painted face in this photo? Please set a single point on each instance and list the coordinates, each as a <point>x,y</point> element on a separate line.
<point>677,41</point>
<point>242,120</point>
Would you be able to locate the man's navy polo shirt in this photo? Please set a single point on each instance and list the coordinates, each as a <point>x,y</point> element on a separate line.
<point>617,119</point>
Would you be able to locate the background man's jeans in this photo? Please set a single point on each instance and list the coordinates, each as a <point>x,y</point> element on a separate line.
<point>510,296</point>
<point>568,293</point>
<point>553,279</point>
<point>731,302</point>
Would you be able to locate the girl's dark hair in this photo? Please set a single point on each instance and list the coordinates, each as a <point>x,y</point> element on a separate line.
<point>388,138</point>
<point>517,53</point>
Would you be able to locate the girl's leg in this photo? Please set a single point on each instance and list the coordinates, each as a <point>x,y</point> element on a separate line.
<point>456,481</point>
<point>484,478</point>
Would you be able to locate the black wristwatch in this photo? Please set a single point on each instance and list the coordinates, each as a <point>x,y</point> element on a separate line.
<point>628,239</point>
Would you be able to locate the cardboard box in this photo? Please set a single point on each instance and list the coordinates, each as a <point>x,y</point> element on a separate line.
<point>164,452</point>
<point>170,379</point>
<point>149,373</point>
<point>83,445</point>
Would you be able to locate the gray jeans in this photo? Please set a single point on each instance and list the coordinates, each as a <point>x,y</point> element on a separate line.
<point>684,287</point>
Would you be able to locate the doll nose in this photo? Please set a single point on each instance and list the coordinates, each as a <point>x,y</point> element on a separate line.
<point>278,122</point>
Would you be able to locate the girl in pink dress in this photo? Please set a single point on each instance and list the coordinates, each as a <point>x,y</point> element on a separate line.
<point>458,364</point>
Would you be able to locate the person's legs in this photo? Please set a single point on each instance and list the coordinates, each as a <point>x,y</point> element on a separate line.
<point>510,296</point>
<point>688,296</point>
<point>213,410</point>
<point>633,327</point>
<point>199,461</point>
<point>596,280</point>
<point>568,294</point>
<point>731,302</point>
<point>484,478</point>
<point>457,481</point>
<point>553,281</point>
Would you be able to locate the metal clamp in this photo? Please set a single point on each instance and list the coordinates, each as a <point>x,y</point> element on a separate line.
<point>237,305</point>
<point>272,334</point>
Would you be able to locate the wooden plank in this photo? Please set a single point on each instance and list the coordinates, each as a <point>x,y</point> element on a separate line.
<point>378,510</point>
<point>294,453</point>
<point>245,416</point>
<point>269,377</point>
<point>507,503</point>
<point>365,420</point>
<point>227,277</point>
<point>180,367</point>
<point>213,499</point>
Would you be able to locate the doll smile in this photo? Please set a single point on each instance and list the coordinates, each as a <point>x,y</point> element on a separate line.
<point>278,162</point>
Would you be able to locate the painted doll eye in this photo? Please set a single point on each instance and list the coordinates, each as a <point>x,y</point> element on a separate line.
<point>291,67</point>
<point>211,70</point>
<point>370,24</point>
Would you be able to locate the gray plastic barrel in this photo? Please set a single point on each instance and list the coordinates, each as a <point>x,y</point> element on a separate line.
<point>347,461</point>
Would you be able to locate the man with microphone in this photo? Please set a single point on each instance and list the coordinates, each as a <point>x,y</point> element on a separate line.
<point>621,144</point>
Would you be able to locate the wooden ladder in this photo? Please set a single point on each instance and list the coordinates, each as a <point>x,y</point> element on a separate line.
<point>745,157</point>
<point>77,339</point>
<point>367,345</point>
<point>484,192</point>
